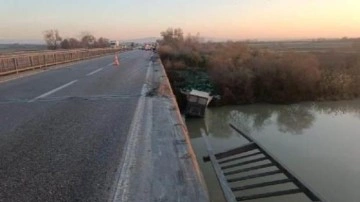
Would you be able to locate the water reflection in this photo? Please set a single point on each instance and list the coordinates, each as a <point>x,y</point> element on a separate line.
<point>318,141</point>
<point>337,108</point>
<point>194,127</point>
<point>294,119</point>
<point>290,119</point>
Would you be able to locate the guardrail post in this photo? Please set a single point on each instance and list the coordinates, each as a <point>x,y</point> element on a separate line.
<point>15,65</point>
<point>2,65</point>
<point>55,58</point>
<point>45,60</point>
<point>31,61</point>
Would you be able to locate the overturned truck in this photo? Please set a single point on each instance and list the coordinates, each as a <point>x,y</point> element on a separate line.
<point>197,101</point>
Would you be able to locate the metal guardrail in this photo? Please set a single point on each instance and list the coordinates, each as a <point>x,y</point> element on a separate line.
<point>15,63</point>
<point>253,157</point>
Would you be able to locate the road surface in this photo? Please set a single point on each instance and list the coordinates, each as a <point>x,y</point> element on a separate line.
<point>62,131</point>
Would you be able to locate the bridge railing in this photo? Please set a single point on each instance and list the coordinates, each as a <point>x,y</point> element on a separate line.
<point>18,62</point>
<point>236,167</point>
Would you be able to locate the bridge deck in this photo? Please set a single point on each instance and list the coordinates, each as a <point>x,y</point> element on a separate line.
<point>94,132</point>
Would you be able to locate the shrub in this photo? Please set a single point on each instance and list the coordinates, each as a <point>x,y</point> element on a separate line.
<point>242,74</point>
<point>267,77</point>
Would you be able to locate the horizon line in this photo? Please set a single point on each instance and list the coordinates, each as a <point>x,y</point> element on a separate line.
<point>207,39</point>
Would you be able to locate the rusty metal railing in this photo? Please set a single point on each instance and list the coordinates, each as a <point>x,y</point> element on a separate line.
<point>15,63</point>
<point>234,165</point>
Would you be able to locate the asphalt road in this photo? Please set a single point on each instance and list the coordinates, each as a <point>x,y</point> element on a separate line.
<point>62,131</point>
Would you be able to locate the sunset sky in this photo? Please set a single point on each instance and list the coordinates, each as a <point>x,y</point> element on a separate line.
<point>225,19</point>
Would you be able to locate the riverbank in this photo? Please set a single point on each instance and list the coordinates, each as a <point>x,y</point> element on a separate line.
<point>187,79</point>
<point>244,74</point>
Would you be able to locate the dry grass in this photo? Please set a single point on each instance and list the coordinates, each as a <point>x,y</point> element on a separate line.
<point>244,74</point>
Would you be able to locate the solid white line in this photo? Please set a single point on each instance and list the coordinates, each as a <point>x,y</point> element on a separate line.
<point>94,72</point>
<point>148,78</point>
<point>53,91</point>
<point>129,153</point>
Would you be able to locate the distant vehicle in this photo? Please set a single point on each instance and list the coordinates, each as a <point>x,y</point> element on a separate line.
<point>148,47</point>
<point>114,44</point>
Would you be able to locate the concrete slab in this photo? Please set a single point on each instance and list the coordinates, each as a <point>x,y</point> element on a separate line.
<point>162,166</point>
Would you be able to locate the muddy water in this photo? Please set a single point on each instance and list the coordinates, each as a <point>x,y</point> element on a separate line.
<point>317,141</point>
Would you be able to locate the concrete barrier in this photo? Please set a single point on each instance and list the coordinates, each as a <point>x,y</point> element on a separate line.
<point>18,62</point>
<point>189,166</point>
<point>159,163</point>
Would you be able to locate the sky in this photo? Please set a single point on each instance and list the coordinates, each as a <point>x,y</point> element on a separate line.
<point>26,20</point>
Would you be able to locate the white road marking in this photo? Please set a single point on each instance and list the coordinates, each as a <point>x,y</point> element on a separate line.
<point>54,90</point>
<point>129,153</point>
<point>94,72</point>
<point>129,156</point>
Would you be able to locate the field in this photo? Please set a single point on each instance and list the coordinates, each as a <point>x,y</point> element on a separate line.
<point>11,48</point>
<point>339,45</point>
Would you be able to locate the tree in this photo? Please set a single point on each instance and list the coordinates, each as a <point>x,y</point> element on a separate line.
<point>65,44</point>
<point>102,42</point>
<point>173,37</point>
<point>87,40</point>
<point>74,43</point>
<point>52,37</point>
<point>70,43</point>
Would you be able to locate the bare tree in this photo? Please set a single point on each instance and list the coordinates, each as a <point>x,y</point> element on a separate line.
<point>52,37</point>
<point>65,44</point>
<point>74,43</point>
<point>102,42</point>
<point>87,40</point>
<point>172,36</point>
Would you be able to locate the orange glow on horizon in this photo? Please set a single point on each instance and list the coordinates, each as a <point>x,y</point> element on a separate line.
<point>260,19</point>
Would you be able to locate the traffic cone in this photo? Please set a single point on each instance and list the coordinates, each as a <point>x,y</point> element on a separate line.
<point>116,61</point>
